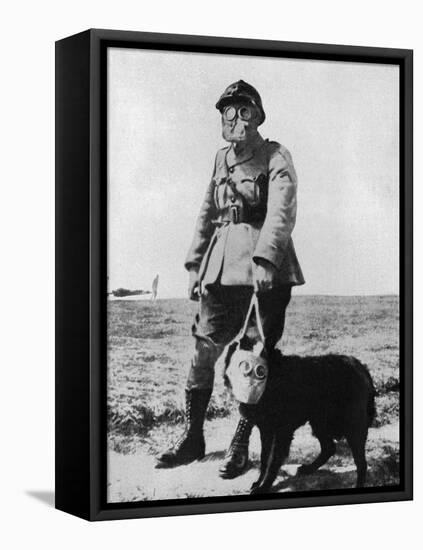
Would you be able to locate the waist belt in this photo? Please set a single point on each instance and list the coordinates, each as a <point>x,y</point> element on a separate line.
<point>237,214</point>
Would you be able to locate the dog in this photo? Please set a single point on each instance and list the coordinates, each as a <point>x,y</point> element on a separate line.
<point>334,393</point>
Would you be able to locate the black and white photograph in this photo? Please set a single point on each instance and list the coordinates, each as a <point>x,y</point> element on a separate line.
<point>253,275</point>
<point>210,241</point>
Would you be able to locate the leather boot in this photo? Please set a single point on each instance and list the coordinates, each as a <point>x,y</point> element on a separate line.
<point>191,445</point>
<point>236,460</point>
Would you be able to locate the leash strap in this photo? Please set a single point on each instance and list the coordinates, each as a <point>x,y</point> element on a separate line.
<point>253,305</point>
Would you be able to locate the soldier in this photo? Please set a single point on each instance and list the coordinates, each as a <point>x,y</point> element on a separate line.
<point>242,243</point>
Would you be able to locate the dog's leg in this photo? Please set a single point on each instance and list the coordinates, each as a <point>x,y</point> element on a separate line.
<point>278,453</point>
<point>266,437</point>
<point>327,449</point>
<point>357,442</point>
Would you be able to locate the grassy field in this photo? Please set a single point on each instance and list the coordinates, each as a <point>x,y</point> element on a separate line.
<point>148,357</point>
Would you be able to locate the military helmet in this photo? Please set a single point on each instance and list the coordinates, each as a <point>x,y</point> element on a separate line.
<point>241,91</point>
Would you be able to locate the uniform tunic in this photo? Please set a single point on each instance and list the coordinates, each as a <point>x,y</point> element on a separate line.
<point>264,173</point>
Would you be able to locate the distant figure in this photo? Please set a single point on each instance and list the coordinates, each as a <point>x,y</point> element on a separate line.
<point>154,287</point>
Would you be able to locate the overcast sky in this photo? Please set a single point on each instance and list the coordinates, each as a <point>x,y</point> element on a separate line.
<point>339,120</point>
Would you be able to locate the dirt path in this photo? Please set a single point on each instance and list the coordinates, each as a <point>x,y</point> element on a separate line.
<point>132,476</point>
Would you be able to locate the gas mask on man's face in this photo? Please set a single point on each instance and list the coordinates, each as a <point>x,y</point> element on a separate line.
<point>239,122</point>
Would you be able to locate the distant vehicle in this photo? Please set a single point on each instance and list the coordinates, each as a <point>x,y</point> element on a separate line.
<point>122,292</point>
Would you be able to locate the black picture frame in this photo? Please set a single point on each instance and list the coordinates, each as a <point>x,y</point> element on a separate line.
<point>81,259</point>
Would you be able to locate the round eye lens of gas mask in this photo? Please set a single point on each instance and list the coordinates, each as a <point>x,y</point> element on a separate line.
<point>230,113</point>
<point>245,367</point>
<point>260,372</point>
<point>245,113</point>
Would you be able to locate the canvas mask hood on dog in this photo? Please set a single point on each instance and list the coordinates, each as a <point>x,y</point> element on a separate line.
<point>248,370</point>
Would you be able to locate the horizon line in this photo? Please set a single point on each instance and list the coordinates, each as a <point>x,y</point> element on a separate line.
<point>147,297</point>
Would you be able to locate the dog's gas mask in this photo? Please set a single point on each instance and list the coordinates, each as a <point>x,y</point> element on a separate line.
<point>247,369</point>
<point>247,372</point>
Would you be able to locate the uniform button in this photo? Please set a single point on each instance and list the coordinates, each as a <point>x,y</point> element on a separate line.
<point>232,199</point>
<point>231,170</point>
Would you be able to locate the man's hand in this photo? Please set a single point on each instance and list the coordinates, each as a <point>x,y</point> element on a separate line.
<point>264,274</point>
<point>193,285</point>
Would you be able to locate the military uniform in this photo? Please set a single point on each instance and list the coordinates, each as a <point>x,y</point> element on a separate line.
<point>248,213</point>
<point>247,216</point>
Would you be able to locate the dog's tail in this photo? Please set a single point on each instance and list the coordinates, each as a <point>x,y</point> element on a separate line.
<point>371,403</point>
<point>371,408</point>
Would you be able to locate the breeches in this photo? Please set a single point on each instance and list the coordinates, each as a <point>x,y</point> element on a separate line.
<point>221,315</point>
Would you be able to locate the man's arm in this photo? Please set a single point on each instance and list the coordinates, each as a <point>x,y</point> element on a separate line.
<point>203,229</point>
<point>202,234</point>
<point>281,210</point>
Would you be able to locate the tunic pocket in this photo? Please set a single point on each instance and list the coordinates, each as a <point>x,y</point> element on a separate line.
<point>254,190</point>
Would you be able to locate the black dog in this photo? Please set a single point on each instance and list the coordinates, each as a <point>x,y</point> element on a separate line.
<point>335,393</point>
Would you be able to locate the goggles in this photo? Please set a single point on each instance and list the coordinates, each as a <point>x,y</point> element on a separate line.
<point>246,367</point>
<point>244,112</point>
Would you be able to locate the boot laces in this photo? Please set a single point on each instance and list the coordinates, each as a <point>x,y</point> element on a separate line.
<point>181,440</point>
<point>187,430</point>
<point>240,440</point>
